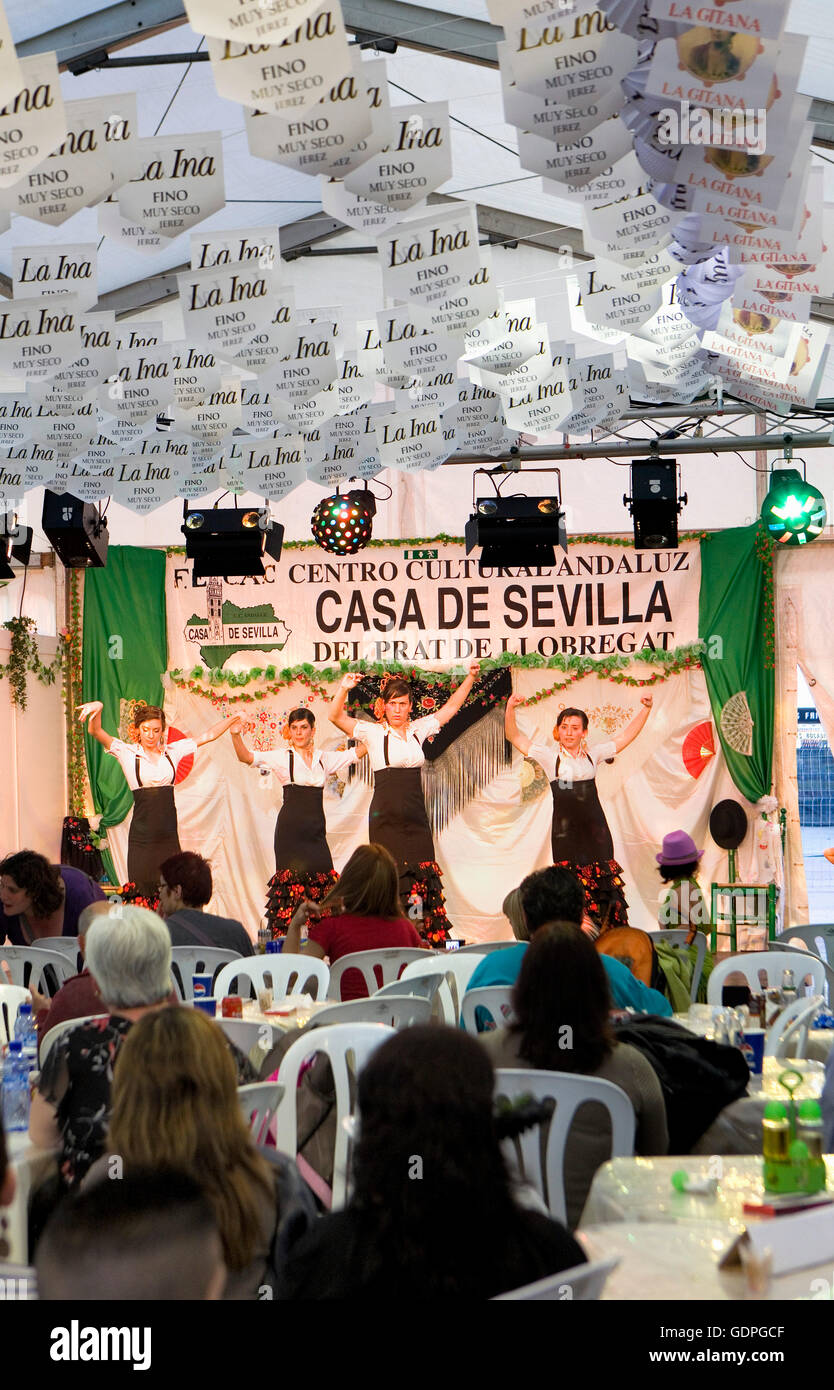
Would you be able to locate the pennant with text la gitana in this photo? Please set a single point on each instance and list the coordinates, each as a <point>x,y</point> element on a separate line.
<point>32,121</point>
<point>576,163</point>
<point>752,293</point>
<point>81,170</point>
<point>69,429</point>
<point>309,368</point>
<point>426,259</point>
<point>711,67</point>
<point>763,17</point>
<point>288,77</point>
<point>271,468</point>
<point>143,483</point>
<point>578,60</point>
<point>762,346</point>
<point>178,182</point>
<point>250,21</point>
<point>412,440</point>
<point>318,140</point>
<point>49,270</point>
<point>356,211</point>
<point>224,306</point>
<point>629,230</point>
<point>39,337</point>
<point>804,381</point>
<point>417,161</point>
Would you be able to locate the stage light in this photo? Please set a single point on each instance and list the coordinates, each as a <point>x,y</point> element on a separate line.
<point>343,523</point>
<point>793,511</point>
<point>228,542</point>
<point>15,544</point>
<point>76,531</point>
<point>516,530</point>
<point>654,503</point>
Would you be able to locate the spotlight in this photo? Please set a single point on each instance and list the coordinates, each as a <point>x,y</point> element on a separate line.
<point>516,530</point>
<point>15,544</point>
<point>343,523</point>
<point>654,504</point>
<point>76,531</point>
<point>793,511</point>
<point>228,542</point>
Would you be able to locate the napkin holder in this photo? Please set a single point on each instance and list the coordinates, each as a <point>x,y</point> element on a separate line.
<point>795,1242</point>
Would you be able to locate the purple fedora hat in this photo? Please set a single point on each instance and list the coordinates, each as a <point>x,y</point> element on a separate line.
<point>678,848</point>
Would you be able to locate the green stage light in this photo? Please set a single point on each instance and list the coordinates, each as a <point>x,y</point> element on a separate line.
<point>793,511</point>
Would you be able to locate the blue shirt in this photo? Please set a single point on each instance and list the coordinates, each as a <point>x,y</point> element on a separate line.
<point>502,967</point>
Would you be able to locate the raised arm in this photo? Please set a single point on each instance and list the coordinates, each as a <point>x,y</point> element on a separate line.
<point>91,712</point>
<point>337,706</point>
<point>511,729</point>
<point>631,730</point>
<point>244,754</point>
<point>454,703</point>
<point>212,732</point>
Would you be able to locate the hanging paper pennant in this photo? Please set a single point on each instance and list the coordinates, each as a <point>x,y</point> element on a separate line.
<point>23,467</point>
<point>179,182</point>
<point>708,66</point>
<point>353,209</point>
<point>228,246</point>
<point>761,345</point>
<point>256,415</point>
<point>39,337</point>
<point>309,368</point>
<point>669,385</point>
<point>521,339</point>
<point>309,414</point>
<point>196,373</point>
<point>602,387</point>
<point>629,230</point>
<point>32,121</point>
<point>428,258</point>
<point>289,77</point>
<point>804,380</point>
<point>372,77</point>
<point>142,387</point>
<point>69,429</point>
<point>271,468</point>
<point>15,420</point>
<point>478,421</point>
<point>268,348</point>
<point>752,294</point>
<point>49,270</point>
<point>411,441</point>
<point>82,170</point>
<point>409,350</point>
<point>213,421</point>
<point>554,117</point>
<point>763,17</point>
<point>417,161</point>
<point>323,139</point>
<point>142,484</point>
<point>123,232</point>
<point>580,60</point>
<point>254,21</point>
<point>547,403</point>
<point>579,162</point>
<point>353,387</point>
<point>625,296</point>
<point>225,306</point>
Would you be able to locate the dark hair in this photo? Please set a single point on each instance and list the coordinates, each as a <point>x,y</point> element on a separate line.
<point>301,715</point>
<point>669,872</point>
<point>147,1236</point>
<point>579,713</point>
<point>144,712</point>
<point>395,689</point>
<point>551,895</point>
<point>562,1002</point>
<point>369,884</point>
<point>36,876</point>
<point>190,873</point>
<point>426,1095</point>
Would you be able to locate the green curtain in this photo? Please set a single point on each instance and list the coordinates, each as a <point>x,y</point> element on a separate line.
<point>125,653</point>
<point>731,622</point>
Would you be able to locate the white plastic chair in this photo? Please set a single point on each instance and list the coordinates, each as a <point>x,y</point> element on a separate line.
<point>69,946</point>
<point>28,964</point>
<point>787,1036</point>
<point>258,1104</point>
<point>11,998</point>
<point>389,959</point>
<point>348,1047</point>
<point>484,947</point>
<point>494,1003</point>
<point>187,961</point>
<point>542,1155</point>
<point>461,966</point>
<point>395,1010</point>
<point>676,937</point>
<point>49,1039</point>
<point>440,990</point>
<point>773,963</point>
<point>581,1284</point>
<point>788,942</point>
<point>289,974</point>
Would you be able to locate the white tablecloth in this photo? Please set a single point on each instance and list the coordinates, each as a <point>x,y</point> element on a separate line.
<point>31,1166</point>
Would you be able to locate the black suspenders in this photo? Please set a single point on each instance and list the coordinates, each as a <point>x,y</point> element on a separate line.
<point>173,769</point>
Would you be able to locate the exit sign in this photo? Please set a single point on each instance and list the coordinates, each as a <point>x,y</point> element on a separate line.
<point>419,554</point>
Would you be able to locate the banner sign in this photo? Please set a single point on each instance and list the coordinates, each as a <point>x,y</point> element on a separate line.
<point>179,181</point>
<point>388,605</point>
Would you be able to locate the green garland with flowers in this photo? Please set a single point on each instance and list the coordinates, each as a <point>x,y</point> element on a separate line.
<point>588,538</point>
<point>24,657</point>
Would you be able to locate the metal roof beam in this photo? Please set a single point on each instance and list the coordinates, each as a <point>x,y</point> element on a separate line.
<point>128,22</point>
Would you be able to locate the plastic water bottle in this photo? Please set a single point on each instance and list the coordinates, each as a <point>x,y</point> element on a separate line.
<point>263,937</point>
<point>27,1034</point>
<point>15,1089</point>
<point>788,987</point>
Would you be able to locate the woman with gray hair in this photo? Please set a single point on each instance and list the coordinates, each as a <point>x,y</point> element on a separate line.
<point>128,954</point>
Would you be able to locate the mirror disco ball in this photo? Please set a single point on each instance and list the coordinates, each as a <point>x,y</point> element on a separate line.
<point>342,524</point>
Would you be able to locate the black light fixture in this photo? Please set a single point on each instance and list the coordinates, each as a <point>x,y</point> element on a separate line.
<point>654,503</point>
<point>15,544</point>
<point>76,531</point>
<point>230,542</point>
<point>516,530</point>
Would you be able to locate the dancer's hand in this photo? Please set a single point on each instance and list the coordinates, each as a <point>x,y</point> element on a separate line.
<point>647,700</point>
<point>361,751</point>
<point>87,711</point>
<point>514,701</point>
<point>236,724</point>
<point>474,669</point>
<point>350,679</point>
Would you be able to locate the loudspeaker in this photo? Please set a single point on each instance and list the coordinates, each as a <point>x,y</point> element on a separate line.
<point>654,504</point>
<point>76,531</point>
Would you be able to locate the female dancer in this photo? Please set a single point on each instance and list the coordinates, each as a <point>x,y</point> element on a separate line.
<point>150,768</point>
<point>580,837</point>
<point>303,865</point>
<point>398,811</point>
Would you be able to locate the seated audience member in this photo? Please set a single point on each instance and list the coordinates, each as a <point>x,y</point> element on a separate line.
<point>175,1104</point>
<point>185,886</point>
<point>150,1236</point>
<point>78,997</point>
<point>561,1004</point>
<point>556,895</point>
<point>370,916</point>
<point>432,1216</point>
<point>128,954</point>
<point>23,1277</point>
<point>39,899</point>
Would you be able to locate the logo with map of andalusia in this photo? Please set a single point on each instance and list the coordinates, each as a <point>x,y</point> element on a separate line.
<point>228,628</point>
